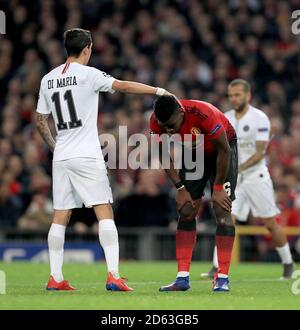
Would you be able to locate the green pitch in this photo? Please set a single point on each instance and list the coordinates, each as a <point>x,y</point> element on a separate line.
<point>253,286</point>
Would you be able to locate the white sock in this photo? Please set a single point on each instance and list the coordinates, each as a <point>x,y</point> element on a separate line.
<point>215,258</point>
<point>183,274</point>
<point>56,240</point>
<point>285,253</point>
<point>108,237</point>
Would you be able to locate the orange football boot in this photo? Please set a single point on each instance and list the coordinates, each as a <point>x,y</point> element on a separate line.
<point>59,286</point>
<point>114,284</point>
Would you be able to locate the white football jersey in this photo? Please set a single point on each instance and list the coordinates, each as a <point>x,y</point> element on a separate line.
<point>253,126</point>
<point>70,93</point>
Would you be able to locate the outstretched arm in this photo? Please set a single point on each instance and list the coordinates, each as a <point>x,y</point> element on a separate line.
<point>133,87</point>
<point>42,126</point>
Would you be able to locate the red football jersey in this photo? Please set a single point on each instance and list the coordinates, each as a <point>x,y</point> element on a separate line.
<point>200,118</point>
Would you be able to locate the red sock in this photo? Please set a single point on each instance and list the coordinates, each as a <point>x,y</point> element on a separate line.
<point>224,249</point>
<point>185,242</point>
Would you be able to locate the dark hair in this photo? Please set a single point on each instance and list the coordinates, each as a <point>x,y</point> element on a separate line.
<point>76,40</point>
<point>242,82</point>
<point>164,107</point>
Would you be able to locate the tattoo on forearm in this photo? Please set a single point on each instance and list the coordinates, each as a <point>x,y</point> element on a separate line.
<point>44,130</point>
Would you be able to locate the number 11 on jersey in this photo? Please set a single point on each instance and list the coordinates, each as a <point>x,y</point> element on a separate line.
<point>75,122</point>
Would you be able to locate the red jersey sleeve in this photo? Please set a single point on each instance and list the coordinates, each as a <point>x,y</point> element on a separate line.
<point>214,123</point>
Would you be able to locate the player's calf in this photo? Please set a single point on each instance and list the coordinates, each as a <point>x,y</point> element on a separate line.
<point>225,235</point>
<point>282,246</point>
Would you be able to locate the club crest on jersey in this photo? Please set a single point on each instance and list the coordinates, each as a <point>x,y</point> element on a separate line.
<point>195,131</point>
<point>246,128</point>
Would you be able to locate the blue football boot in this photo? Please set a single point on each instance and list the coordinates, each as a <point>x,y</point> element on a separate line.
<point>221,284</point>
<point>180,284</point>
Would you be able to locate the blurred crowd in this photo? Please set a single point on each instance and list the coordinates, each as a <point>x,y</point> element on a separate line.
<point>192,48</point>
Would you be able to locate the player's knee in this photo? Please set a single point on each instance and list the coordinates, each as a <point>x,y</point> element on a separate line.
<point>225,224</point>
<point>62,217</point>
<point>188,212</point>
<point>224,217</point>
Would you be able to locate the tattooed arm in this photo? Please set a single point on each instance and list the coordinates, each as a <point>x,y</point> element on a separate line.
<point>42,126</point>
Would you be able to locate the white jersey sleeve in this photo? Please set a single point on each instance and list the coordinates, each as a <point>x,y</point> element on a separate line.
<point>42,106</point>
<point>263,128</point>
<point>102,81</point>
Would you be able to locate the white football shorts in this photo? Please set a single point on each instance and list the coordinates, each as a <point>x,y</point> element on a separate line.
<point>256,196</point>
<point>78,181</point>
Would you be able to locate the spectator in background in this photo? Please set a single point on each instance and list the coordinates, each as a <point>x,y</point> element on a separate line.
<point>84,221</point>
<point>10,207</point>
<point>38,214</point>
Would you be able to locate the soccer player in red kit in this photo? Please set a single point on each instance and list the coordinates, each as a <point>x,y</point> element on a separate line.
<point>220,169</point>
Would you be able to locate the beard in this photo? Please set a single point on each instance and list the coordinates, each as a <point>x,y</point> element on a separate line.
<point>241,107</point>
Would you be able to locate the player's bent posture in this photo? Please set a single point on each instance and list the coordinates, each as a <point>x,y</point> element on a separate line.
<point>220,168</point>
<point>70,93</point>
<point>254,191</point>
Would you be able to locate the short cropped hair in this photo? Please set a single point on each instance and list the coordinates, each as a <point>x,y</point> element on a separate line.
<point>242,82</point>
<point>164,107</point>
<point>76,40</point>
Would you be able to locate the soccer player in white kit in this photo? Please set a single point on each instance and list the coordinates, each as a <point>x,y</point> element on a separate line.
<point>254,191</point>
<point>70,93</point>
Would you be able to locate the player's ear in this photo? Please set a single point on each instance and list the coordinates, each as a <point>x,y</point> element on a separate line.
<point>178,102</point>
<point>85,50</point>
